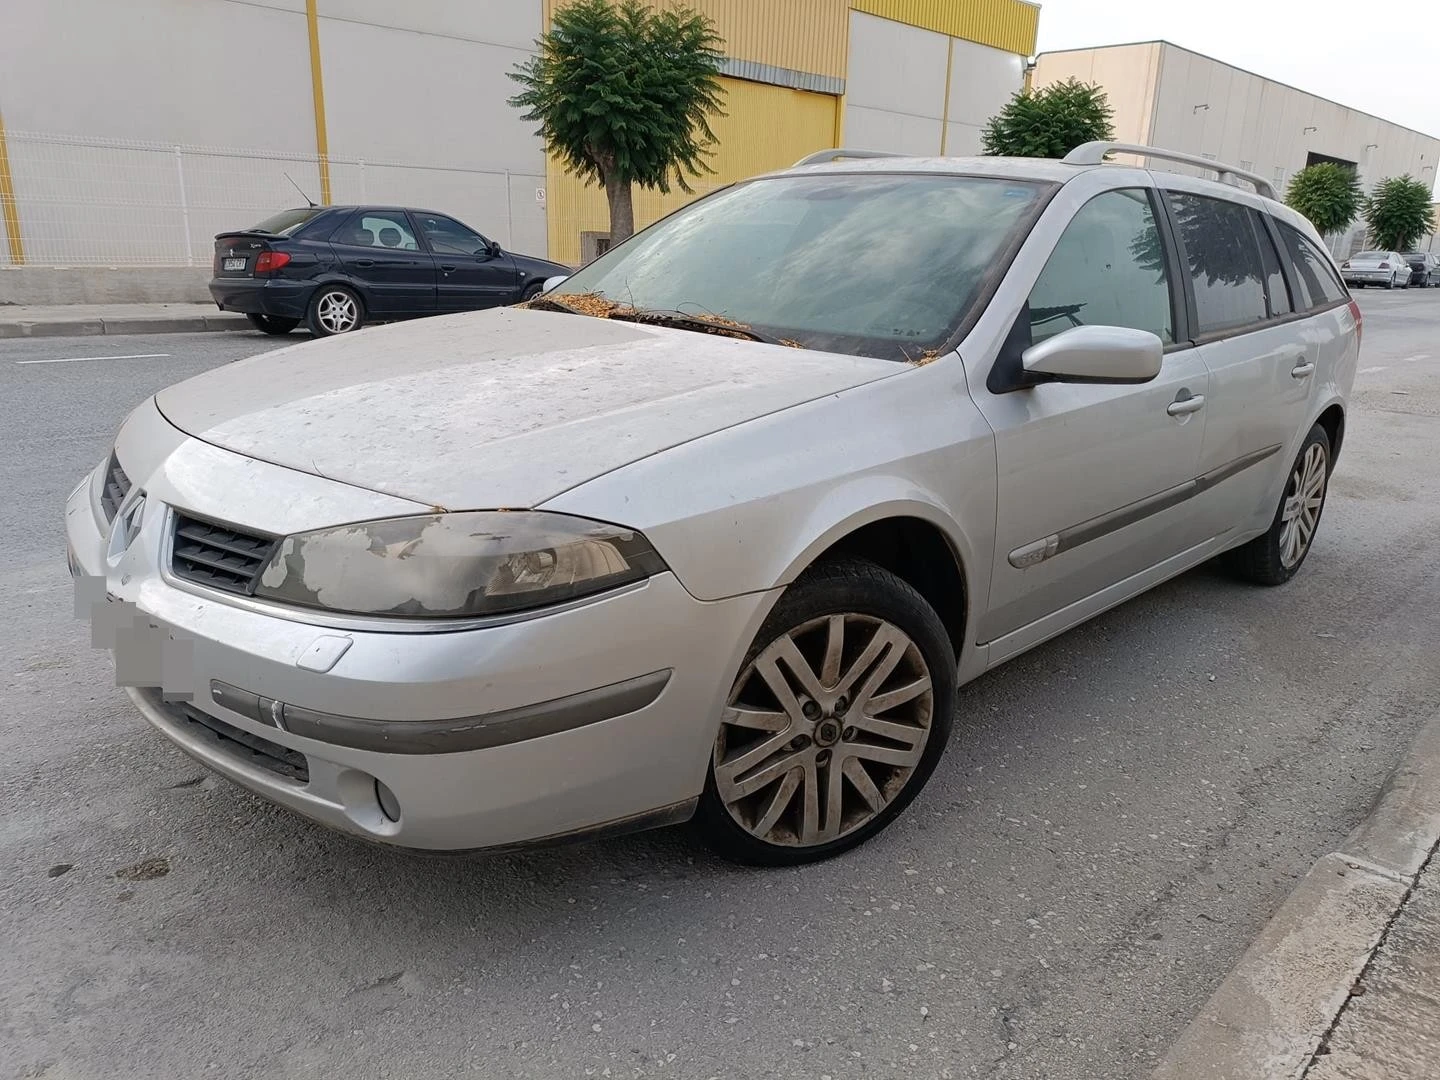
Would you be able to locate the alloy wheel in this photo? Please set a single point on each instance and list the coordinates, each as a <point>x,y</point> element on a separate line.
<point>337,312</point>
<point>1304,496</point>
<point>823,729</point>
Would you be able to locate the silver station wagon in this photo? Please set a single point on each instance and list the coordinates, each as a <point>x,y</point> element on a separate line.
<point>713,529</point>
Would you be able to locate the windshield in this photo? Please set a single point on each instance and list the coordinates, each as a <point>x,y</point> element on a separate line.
<point>287,221</point>
<point>875,265</point>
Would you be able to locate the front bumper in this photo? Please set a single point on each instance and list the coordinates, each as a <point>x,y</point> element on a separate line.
<point>262,296</point>
<point>481,736</point>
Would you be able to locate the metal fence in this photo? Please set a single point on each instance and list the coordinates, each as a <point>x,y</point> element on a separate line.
<point>116,202</point>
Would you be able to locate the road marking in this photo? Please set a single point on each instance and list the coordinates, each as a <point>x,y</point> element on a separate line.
<point>77,359</point>
<point>1371,370</point>
<point>1412,359</point>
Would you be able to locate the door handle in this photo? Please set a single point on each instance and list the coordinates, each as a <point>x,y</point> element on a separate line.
<point>447,269</point>
<point>1186,406</point>
<point>1303,369</point>
<point>365,262</point>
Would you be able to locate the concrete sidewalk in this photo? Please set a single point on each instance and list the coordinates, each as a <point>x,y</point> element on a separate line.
<point>1343,983</point>
<point>67,320</point>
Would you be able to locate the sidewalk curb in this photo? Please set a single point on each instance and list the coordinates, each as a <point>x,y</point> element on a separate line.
<point>127,324</point>
<point>1267,1018</point>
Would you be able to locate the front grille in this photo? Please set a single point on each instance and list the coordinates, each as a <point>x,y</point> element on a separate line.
<point>117,486</point>
<point>220,556</point>
<point>238,744</point>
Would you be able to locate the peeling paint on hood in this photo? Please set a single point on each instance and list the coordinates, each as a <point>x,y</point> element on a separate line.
<point>497,408</point>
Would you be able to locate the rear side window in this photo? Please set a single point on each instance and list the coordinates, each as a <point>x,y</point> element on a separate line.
<point>1224,261</point>
<point>1317,276</point>
<point>1107,270</point>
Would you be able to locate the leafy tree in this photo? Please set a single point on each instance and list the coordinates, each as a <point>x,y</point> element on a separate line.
<point>1050,122</point>
<point>1399,212</point>
<point>1326,193</point>
<point>624,95</point>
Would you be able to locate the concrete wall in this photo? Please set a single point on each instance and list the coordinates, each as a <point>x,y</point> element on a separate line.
<point>97,95</point>
<point>895,95</point>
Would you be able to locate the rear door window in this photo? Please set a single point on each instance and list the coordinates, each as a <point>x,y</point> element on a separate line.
<point>377,229</point>
<point>1223,256</point>
<point>1317,277</point>
<point>1108,269</point>
<point>1277,296</point>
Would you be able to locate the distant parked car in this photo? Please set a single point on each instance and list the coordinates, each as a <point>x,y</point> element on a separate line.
<point>335,268</point>
<point>1387,268</point>
<point>1424,268</point>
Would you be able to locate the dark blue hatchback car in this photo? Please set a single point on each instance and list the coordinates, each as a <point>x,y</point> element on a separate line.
<point>334,268</point>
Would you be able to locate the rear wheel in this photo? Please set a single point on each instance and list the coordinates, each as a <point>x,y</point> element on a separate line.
<point>1275,557</point>
<point>272,324</point>
<point>334,309</point>
<point>837,719</point>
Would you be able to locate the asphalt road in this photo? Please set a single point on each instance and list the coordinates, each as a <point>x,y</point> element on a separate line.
<point>1119,812</point>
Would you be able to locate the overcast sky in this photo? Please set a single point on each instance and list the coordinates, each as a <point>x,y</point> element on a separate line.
<point>1350,52</point>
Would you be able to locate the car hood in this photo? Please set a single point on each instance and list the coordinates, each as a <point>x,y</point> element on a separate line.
<point>497,409</point>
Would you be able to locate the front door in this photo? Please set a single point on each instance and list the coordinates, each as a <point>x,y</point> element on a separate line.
<point>1093,480</point>
<point>378,250</point>
<point>472,273</point>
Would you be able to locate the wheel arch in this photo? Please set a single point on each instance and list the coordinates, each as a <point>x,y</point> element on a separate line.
<point>1332,419</point>
<point>915,541</point>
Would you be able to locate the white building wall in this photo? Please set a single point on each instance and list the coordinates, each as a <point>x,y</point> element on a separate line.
<point>1129,73</point>
<point>895,88</point>
<point>97,95</point>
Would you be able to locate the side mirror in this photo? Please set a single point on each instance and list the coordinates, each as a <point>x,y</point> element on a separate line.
<point>554,282</point>
<point>493,247</point>
<point>1096,354</point>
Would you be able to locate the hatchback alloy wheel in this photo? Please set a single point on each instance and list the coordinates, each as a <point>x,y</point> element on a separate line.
<point>337,311</point>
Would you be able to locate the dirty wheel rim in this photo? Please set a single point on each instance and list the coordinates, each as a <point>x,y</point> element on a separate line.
<point>337,312</point>
<point>823,729</point>
<point>1304,496</point>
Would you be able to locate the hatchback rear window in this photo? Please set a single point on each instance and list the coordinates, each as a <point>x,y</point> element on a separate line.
<point>871,264</point>
<point>287,222</point>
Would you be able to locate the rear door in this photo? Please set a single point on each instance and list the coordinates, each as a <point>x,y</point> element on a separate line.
<point>1260,350</point>
<point>471,273</point>
<point>377,248</point>
<point>1093,480</point>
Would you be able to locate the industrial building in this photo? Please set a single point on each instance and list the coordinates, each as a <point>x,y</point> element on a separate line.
<point>1167,96</point>
<point>137,130</point>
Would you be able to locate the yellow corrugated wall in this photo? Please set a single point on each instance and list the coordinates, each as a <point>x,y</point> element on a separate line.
<point>1011,25</point>
<point>765,128</point>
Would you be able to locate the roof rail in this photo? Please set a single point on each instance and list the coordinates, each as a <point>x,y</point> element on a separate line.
<point>1093,153</point>
<point>822,156</point>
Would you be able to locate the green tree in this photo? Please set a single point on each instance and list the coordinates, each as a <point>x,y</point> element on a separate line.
<point>1328,194</point>
<point>1398,213</point>
<point>1050,122</point>
<point>623,95</point>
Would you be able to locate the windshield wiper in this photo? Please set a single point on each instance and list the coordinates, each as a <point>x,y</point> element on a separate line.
<point>703,324</point>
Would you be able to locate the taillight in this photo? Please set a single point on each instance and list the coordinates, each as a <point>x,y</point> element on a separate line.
<point>1359,320</point>
<point>1384,266</point>
<point>267,261</point>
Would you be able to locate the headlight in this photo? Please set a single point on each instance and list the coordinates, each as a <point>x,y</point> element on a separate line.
<point>445,566</point>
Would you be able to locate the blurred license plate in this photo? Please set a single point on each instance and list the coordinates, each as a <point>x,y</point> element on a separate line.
<point>235,264</point>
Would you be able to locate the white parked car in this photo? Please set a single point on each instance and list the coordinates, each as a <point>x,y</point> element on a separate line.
<point>715,528</point>
<point>1384,268</point>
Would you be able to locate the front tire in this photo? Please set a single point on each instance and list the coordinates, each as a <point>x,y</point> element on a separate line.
<point>272,324</point>
<point>334,309</point>
<point>837,719</point>
<point>1276,557</point>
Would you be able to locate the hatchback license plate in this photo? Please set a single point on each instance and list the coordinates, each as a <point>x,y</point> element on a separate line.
<point>235,264</point>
